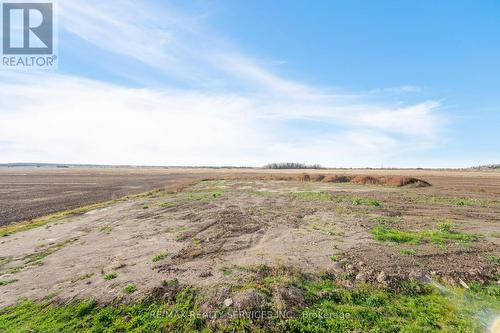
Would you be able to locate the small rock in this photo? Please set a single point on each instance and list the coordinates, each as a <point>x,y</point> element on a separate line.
<point>248,299</point>
<point>361,264</point>
<point>418,275</point>
<point>228,302</point>
<point>205,274</point>
<point>291,295</point>
<point>361,277</point>
<point>381,277</point>
<point>463,284</point>
<point>350,269</point>
<point>346,283</point>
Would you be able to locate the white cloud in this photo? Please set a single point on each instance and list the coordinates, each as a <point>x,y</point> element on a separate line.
<point>55,118</point>
<point>248,117</point>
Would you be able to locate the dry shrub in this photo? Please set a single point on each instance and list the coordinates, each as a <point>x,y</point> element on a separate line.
<point>414,182</point>
<point>336,179</point>
<point>304,177</point>
<point>394,180</point>
<point>281,177</point>
<point>366,180</point>
<point>317,178</point>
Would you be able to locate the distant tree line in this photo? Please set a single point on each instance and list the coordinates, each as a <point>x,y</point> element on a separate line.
<point>292,165</point>
<point>489,166</point>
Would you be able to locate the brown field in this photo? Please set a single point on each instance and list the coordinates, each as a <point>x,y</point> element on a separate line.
<point>209,233</point>
<point>27,193</point>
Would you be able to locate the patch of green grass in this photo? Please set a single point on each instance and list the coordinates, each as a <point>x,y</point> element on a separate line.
<point>335,258</point>
<point>106,229</point>
<point>445,226</point>
<point>145,207</point>
<point>328,307</point>
<point>159,257</point>
<point>36,259</point>
<point>88,316</point>
<point>358,201</point>
<point>313,196</point>
<point>494,259</point>
<point>407,252</point>
<point>382,233</point>
<point>204,196</point>
<point>226,271</point>
<point>6,282</point>
<point>110,276</point>
<point>129,289</point>
<point>441,236</point>
<point>166,204</point>
<point>266,194</point>
<point>15,270</point>
<point>461,201</point>
<point>5,260</point>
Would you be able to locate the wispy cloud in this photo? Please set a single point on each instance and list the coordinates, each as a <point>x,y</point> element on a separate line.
<point>238,111</point>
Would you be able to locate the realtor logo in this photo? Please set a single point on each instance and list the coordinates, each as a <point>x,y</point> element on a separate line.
<point>28,34</point>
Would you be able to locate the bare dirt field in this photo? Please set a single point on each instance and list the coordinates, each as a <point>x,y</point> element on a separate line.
<point>209,230</point>
<point>27,193</point>
<point>217,234</point>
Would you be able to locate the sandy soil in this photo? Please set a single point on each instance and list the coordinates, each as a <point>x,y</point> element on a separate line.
<point>210,233</point>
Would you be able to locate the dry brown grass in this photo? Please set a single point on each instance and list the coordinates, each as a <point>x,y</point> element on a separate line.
<point>329,178</point>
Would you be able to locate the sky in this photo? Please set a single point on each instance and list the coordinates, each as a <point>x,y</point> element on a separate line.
<point>246,83</point>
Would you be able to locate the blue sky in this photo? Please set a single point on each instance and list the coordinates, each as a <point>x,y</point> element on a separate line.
<point>341,83</point>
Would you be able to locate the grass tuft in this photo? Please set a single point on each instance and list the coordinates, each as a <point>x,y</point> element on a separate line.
<point>407,252</point>
<point>129,289</point>
<point>365,202</point>
<point>106,229</point>
<point>313,196</point>
<point>159,257</point>
<point>6,282</point>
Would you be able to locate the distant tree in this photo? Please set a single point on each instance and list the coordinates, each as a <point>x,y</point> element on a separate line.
<point>292,165</point>
<point>489,166</point>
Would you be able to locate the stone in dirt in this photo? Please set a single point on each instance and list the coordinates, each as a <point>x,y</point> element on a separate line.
<point>249,299</point>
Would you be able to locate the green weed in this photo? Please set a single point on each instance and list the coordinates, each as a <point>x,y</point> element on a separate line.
<point>313,196</point>
<point>226,271</point>
<point>129,289</point>
<point>159,257</point>
<point>6,282</point>
<point>495,259</point>
<point>408,252</point>
<point>335,258</point>
<point>82,277</point>
<point>106,229</point>
<point>365,202</point>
